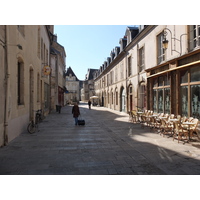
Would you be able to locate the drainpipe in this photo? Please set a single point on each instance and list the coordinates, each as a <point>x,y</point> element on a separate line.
<point>7,76</point>
<point>126,82</point>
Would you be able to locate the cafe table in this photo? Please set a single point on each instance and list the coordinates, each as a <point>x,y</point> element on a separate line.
<point>188,124</point>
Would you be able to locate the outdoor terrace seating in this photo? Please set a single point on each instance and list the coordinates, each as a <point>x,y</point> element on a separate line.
<point>180,128</point>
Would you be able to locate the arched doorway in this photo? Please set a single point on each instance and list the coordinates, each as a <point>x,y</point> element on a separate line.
<point>102,99</point>
<point>122,100</point>
<point>130,97</point>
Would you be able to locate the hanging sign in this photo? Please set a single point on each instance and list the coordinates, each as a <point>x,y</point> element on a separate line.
<point>46,70</point>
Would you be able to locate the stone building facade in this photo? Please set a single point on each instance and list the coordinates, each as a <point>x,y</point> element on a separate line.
<point>25,52</point>
<point>72,93</point>
<point>142,73</point>
<point>88,89</point>
<point>58,65</point>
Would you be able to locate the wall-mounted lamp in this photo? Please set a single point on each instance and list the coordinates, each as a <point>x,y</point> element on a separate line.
<point>165,42</point>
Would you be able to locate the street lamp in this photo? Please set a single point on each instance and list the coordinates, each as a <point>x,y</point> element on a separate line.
<point>165,42</point>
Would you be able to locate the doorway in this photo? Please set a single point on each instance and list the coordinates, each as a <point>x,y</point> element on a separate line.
<point>123,100</point>
<point>31,94</point>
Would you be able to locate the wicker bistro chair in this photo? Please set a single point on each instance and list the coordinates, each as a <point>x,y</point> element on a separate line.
<point>145,120</point>
<point>158,121</point>
<point>133,116</point>
<point>179,132</point>
<point>192,127</point>
<point>141,117</point>
<point>161,122</point>
<point>183,130</point>
<point>152,120</point>
<point>167,126</point>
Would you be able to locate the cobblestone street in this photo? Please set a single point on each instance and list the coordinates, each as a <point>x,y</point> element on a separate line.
<point>107,144</point>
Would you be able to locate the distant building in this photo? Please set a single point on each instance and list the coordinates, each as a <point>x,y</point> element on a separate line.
<point>72,93</point>
<point>58,65</point>
<point>88,85</point>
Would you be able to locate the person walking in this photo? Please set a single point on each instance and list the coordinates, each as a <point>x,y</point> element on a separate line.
<point>76,113</point>
<point>89,104</point>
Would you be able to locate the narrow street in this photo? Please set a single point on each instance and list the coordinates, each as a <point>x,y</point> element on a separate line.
<point>107,144</point>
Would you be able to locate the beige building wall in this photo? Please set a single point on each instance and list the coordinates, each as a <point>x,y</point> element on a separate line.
<point>123,91</point>
<point>18,111</point>
<point>72,86</point>
<point>2,82</point>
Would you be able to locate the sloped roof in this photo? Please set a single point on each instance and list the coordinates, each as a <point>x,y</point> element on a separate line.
<point>70,71</point>
<point>90,74</point>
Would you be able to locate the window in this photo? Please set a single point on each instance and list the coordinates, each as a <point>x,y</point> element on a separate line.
<point>161,94</point>
<point>141,59</point>
<point>46,95</point>
<point>116,73</point>
<point>129,66</point>
<point>116,97</point>
<point>46,61</point>
<point>121,70</point>
<point>194,36</point>
<point>142,95</point>
<point>190,92</point>
<point>112,97</point>
<point>160,50</point>
<point>20,83</point>
<point>38,88</point>
<point>111,77</point>
<point>39,48</point>
<point>21,29</point>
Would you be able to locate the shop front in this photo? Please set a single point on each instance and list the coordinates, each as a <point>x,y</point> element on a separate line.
<point>174,87</point>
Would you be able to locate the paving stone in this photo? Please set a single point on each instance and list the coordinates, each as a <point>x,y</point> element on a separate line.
<point>103,146</point>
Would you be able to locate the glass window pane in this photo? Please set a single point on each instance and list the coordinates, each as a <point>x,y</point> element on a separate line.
<point>160,100</point>
<point>154,101</point>
<point>184,76</point>
<point>184,100</point>
<point>166,80</point>
<point>195,74</point>
<point>155,82</point>
<point>167,100</point>
<point>160,81</point>
<point>195,101</point>
<point>198,30</point>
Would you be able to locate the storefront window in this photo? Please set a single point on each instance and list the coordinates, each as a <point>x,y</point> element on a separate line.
<point>166,80</point>
<point>160,100</point>
<point>160,81</point>
<point>184,100</point>
<point>161,94</point>
<point>154,101</point>
<point>155,83</point>
<point>195,101</point>
<point>195,74</point>
<point>167,100</point>
<point>184,76</point>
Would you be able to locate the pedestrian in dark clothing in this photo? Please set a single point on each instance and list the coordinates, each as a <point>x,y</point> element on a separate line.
<point>75,112</point>
<point>89,104</point>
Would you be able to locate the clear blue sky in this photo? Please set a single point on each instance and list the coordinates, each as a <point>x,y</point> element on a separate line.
<point>88,46</point>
